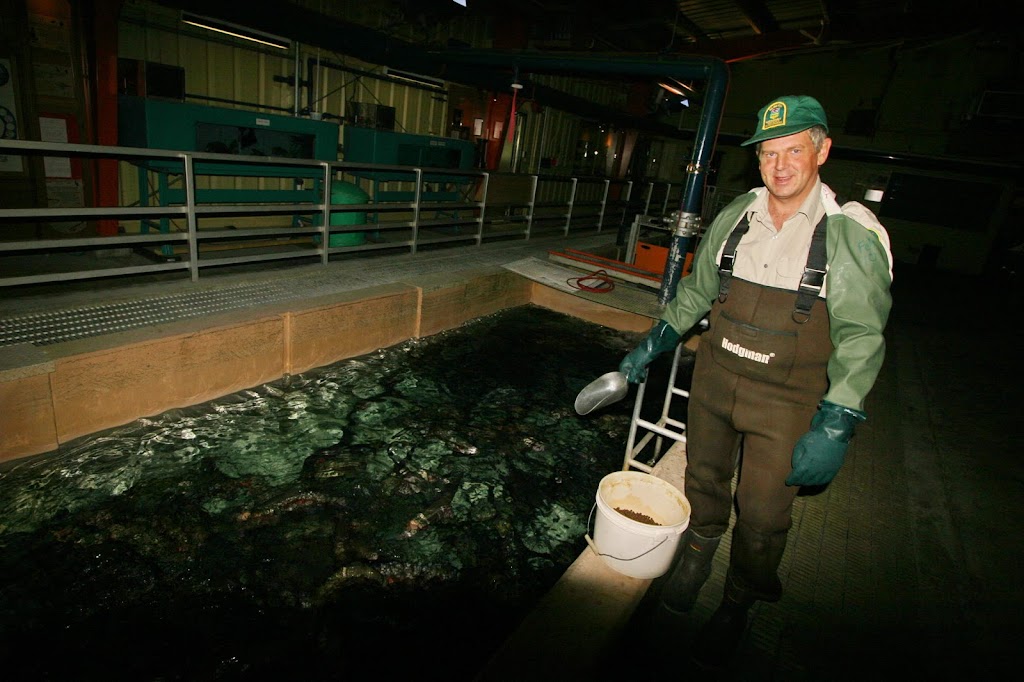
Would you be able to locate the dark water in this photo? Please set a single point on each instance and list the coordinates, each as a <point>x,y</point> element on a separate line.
<point>397,513</point>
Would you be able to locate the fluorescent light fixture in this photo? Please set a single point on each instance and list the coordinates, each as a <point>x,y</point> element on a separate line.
<point>235,30</point>
<point>414,78</point>
<point>672,88</point>
<point>676,87</point>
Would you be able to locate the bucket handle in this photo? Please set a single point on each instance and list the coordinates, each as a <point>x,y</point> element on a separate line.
<point>593,545</point>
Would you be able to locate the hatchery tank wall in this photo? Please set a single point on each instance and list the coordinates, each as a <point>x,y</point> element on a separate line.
<point>53,394</point>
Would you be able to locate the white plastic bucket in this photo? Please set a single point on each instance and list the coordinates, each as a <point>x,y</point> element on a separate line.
<point>632,547</point>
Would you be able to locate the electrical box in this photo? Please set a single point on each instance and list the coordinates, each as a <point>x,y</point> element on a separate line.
<point>366,115</point>
<point>150,79</point>
<point>651,257</point>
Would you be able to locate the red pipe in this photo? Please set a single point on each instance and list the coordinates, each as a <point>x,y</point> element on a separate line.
<point>105,188</point>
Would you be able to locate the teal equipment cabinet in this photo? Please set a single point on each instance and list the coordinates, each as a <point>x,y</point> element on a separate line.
<point>369,145</point>
<point>167,124</point>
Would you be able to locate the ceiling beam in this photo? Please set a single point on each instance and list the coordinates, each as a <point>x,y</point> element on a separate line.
<point>733,50</point>
<point>684,24</point>
<point>758,15</point>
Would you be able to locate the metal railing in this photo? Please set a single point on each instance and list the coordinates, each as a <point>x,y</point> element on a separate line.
<point>569,203</point>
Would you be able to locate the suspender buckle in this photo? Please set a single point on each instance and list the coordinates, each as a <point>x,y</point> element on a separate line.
<point>812,281</point>
<point>810,286</point>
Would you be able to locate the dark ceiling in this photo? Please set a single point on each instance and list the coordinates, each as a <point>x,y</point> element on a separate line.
<point>406,34</point>
<point>732,30</point>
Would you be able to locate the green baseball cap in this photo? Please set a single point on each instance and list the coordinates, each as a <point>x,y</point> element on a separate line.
<point>787,115</point>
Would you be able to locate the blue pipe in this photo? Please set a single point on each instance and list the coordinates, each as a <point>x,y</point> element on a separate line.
<point>713,70</point>
<point>688,218</point>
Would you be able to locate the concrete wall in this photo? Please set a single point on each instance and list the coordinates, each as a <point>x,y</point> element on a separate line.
<point>53,394</point>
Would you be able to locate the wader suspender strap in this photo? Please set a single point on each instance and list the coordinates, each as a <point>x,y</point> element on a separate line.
<point>728,261</point>
<point>810,283</point>
<point>814,274</point>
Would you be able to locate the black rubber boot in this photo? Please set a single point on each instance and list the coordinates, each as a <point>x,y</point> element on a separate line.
<point>753,576</point>
<point>718,640</point>
<point>691,571</point>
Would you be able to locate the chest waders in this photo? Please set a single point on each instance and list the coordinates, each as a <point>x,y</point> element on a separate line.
<point>759,375</point>
<point>761,370</point>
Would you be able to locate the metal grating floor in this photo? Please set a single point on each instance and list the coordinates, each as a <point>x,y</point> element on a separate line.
<point>68,317</point>
<point>41,329</point>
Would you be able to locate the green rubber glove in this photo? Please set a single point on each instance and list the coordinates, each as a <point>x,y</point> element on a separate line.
<point>660,339</point>
<point>819,453</point>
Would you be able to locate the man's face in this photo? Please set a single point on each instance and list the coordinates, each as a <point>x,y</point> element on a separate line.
<point>789,165</point>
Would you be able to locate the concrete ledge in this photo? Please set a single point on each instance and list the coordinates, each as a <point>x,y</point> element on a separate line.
<point>564,302</point>
<point>52,394</point>
<point>570,632</point>
<point>452,299</point>
<point>27,425</point>
<point>97,390</point>
<point>339,329</point>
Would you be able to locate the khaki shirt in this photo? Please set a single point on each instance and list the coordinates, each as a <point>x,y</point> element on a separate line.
<point>776,258</point>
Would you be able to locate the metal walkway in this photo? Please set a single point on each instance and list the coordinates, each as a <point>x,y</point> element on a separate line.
<point>73,310</point>
<point>46,328</point>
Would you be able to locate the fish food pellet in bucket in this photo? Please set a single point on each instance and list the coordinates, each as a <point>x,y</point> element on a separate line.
<point>637,516</point>
<point>626,535</point>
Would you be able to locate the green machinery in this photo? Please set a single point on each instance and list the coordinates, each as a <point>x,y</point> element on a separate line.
<point>370,145</point>
<point>348,193</point>
<point>169,124</point>
<point>387,147</point>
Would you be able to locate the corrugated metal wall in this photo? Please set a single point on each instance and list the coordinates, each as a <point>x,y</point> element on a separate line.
<point>230,73</point>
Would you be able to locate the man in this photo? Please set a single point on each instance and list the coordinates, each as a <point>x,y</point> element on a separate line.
<point>798,293</point>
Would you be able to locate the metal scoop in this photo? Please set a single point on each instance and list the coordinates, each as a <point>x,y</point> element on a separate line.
<point>606,389</point>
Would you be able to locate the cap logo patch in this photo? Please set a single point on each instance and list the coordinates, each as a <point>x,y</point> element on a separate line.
<point>774,116</point>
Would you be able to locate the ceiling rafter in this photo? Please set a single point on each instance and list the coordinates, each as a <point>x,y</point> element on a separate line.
<point>758,15</point>
<point>682,23</point>
<point>733,30</point>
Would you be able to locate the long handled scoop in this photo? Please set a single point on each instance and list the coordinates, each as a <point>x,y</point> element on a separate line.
<point>606,389</point>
